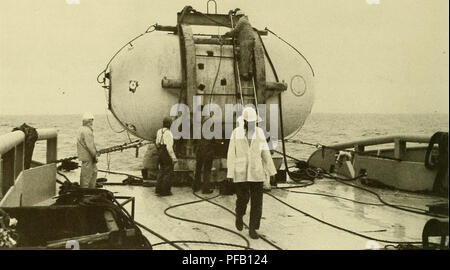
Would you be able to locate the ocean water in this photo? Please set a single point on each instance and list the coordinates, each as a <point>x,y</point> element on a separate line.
<point>323,128</point>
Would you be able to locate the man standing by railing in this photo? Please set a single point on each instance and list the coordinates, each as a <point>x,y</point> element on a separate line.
<point>87,152</point>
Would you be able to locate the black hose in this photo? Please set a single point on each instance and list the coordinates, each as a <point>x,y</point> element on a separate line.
<point>383,202</point>
<point>399,207</point>
<point>126,44</point>
<point>63,175</point>
<point>166,241</point>
<point>295,49</point>
<point>203,242</point>
<point>201,222</point>
<point>144,227</point>
<point>287,189</point>
<point>344,180</point>
<point>183,219</point>
<point>340,228</point>
<point>280,107</point>
<point>331,196</point>
<point>234,214</point>
<point>120,173</point>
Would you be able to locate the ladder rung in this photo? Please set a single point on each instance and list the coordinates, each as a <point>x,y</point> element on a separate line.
<point>217,56</point>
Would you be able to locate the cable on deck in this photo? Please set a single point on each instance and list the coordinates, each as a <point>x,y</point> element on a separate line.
<point>338,227</point>
<point>201,222</point>
<point>233,213</point>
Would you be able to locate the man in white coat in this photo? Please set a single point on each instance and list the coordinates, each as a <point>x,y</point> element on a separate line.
<point>248,162</point>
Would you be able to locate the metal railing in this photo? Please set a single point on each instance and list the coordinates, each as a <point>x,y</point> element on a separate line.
<point>12,154</point>
<point>399,142</point>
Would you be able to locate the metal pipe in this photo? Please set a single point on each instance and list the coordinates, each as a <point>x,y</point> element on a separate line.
<point>276,86</point>
<point>47,133</point>
<point>133,201</point>
<point>11,140</point>
<point>382,140</point>
<point>171,83</point>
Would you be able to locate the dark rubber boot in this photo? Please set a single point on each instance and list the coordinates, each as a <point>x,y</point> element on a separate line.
<point>253,234</point>
<point>239,223</point>
<point>196,186</point>
<point>207,191</point>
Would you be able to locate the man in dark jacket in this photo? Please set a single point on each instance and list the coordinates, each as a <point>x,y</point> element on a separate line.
<point>245,34</point>
<point>204,155</point>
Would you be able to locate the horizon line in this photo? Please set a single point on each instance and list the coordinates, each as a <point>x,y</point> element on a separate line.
<point>384,113</point>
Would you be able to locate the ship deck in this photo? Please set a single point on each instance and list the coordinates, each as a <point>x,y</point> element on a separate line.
<point>319,216</point>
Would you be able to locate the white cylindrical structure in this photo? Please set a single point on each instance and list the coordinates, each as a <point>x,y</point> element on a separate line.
<point>140,103</point>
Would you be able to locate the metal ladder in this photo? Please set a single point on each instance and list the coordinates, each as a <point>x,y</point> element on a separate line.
<point>237,76</point>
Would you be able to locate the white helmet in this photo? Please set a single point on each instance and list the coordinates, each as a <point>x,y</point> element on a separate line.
<point>88,116</point>
<point>240,13</point>
<point>249,114</point>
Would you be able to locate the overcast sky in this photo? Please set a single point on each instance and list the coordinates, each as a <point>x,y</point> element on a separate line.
<point>385,58</point>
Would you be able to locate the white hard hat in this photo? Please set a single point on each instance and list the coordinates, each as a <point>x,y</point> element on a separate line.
<point>88,116</point>
<point>240,13</point>
<point>249,114</point>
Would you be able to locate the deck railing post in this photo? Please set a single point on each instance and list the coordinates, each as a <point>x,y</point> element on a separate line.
<point>359,148</point>
<point>1,177</point>
<point>19,159</point>
<point>8,170</point>
<point>52,149</point>
<point>400,148</point>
